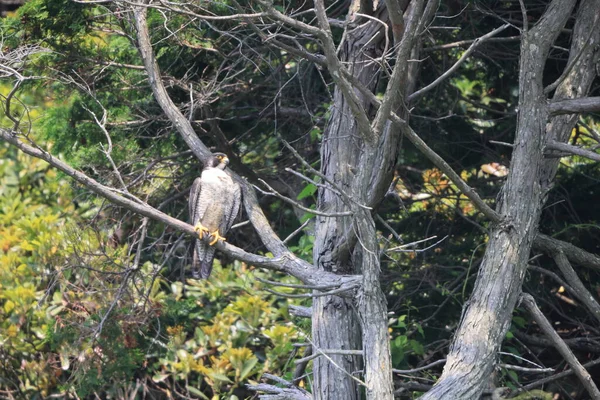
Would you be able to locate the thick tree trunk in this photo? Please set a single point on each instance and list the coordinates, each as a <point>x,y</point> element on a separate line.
<point>336,323</point>
<point>488,314</point>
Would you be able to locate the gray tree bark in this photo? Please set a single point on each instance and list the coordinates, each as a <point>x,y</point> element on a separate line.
<point>361,164</point>
<point>488,313</point>
<point>335,322</point>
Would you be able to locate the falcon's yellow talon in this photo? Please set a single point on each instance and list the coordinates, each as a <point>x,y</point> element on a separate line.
<point>216,237</point>
<point>201,230</point>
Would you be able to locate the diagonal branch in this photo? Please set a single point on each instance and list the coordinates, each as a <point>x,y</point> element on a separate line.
<point>446,169</point>
<point>457,64</point>
<point>574,253</point>
<point>575,150</point>
<point>393,94</point>
<point>560,345</point>
<point>284,261</point>
<point>337,72</point>
<point>181,123</point>
<point>185,129</point>
<point>580,291</point>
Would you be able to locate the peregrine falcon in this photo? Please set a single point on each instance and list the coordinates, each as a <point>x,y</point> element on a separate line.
<point>214,203</point>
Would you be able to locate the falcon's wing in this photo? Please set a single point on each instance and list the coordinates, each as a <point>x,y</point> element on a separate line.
<point>195,208</point>
<point>231,214</point>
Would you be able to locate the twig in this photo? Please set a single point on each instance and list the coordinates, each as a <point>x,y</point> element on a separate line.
<point>502,143</point>
<point>571,64</point>
<point>414,370</point>
<point>524,369</point>
<point>321,352</point>
<point>555,377</point>
<point>273,192</point>
<point>297,231</point>
<point>404,246</point>
<point>338,190</point>
<point>301,367</point>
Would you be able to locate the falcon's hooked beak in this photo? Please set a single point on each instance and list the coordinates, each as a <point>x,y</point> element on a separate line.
<point>225,160</point>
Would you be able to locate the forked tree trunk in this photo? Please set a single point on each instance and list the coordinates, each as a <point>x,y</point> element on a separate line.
<point>488,313</point>
<point>347,245</point>
<point>335,322</point>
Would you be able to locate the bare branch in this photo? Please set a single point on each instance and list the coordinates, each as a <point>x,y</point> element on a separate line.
<point>446,169</point>
<point>181,123</point>
<point>289,21</point>
<point>457,64</point>
<point>555,377</point>
<point>337,72</point>
<point>581,292</point>
<point>406,247</point>
<point>328,351</point>
<point>424,367</point>
<point>575,106</point>
<point>574,253</point>
<point>273,192</point>
<point>560,345</point>
<point>461,43</point>
<point>284,261</point>
<point>575,150</point>
<point>393,95</point>
<point>297,231</point>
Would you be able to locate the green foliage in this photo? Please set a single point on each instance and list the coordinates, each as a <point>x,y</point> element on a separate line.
<point>76,319</point>
<point>222,333</point>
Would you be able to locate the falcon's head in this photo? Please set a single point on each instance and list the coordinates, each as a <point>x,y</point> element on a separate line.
<point>217,160</point>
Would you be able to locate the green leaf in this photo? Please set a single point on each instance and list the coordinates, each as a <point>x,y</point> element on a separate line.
<point>220,377</point>
<point>197,392</point>
<point>247,368</point>
<point>519,321</point>
<point>308,190</point>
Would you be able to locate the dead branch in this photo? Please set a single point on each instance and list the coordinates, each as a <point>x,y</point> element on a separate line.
<point>457,64</point>
<point>284,261</point>
<point>574,253</point>
<point>580,291</point>
<point>575,106</point>
<point>528,301</point>
<point>574,150</point>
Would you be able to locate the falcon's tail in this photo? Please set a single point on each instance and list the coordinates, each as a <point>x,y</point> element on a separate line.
<point>202,262</point>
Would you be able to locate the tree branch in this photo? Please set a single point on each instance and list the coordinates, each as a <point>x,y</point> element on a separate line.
<point>336,69</point>
<point>574,253</point>
<point>393,95</point>
<point>580,291</point>
<point>284,261</point>
<point>583,375</point>
<point>457,64</point>
<point>574,106</point>
<point>575,150</point>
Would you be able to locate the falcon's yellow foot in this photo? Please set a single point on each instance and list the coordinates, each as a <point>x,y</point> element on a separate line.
<point>216,237</point>
<point>202,230</point>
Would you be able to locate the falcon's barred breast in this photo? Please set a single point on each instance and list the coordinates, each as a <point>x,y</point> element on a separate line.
<point>214,204</point>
